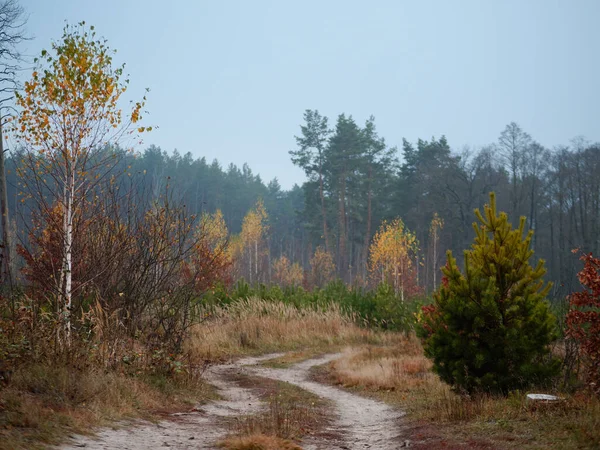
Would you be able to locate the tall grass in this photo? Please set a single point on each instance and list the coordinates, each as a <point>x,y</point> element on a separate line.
<point>254,325</point>
<point>379,308</point>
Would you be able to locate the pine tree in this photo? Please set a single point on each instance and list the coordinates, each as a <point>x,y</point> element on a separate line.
<point>490,327</point>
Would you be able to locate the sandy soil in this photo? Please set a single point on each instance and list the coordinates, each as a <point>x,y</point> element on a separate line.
<point>362,423</point>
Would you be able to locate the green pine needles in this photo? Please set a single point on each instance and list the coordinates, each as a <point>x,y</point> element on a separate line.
<point>490,327</point>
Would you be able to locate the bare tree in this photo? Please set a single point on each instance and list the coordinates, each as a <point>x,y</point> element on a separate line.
<point>12,33</point>
<point>535,162</point>
<point>512,145</point>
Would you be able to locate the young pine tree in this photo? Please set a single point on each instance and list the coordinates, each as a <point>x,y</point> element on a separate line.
<point>490,327</point>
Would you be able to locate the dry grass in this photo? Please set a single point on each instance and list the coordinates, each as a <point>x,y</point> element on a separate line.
<point>258,442</point>
<point>402,376</point>
<point>294,357</point>
<point>43,403</point>
<point>384,368</point>
<point>255,326</point>
<point>291,414</point>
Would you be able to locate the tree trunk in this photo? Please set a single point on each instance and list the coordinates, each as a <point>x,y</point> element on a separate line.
<point>250,264</point>
<point>256,259</point>
<point>552,258</point>
<point>5,262</point>
<point>532,212</point>
<point>561,227</point>
<point>396,281</point>
<point>323,212</point>
<point>369,214</point>
<point>402,275</point>
<point>68,255</point>
<point>342,225</point>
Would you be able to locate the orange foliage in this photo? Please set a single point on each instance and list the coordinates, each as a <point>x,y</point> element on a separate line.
<point>209,262</point>
<point>70,103</point>
<point>43,259</point>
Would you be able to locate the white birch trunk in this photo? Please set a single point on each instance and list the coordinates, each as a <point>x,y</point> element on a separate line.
<point>68,256</point>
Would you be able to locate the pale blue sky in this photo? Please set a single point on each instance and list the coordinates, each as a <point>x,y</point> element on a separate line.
<point>231,79</point>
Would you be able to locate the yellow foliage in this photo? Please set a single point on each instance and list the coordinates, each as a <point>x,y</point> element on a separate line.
<point>287,274</point>
<point>249,250</point>
<point>69,107</point>
<point>391,254</point>
<point>254,226</point>
<point>322,267</point>
<point>214,229</point>
<point>437,223</point>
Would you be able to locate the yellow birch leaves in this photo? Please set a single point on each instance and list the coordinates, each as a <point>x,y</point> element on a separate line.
<point>70,104</point>
<point>391,255</point>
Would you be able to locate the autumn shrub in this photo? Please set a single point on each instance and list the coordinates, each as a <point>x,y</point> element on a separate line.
<point>138,274</point>
<point>287,274</point>
<point>322,268</point>
<point>490,326</point>
<point>583,319</point>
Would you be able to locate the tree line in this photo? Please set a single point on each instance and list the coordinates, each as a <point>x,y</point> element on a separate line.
<point>355,182</point>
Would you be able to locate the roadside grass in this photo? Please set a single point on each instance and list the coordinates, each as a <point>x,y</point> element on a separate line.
<point>291,414</point>
<point>47,401</point>
<point>43,404</point>
<point>402,376</point>
<point>253,326</point>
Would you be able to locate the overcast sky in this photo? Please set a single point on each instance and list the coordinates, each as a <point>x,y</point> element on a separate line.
<point>231,79</point>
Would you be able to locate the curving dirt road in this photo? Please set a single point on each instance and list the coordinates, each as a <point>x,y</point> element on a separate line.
<point>363,423</point>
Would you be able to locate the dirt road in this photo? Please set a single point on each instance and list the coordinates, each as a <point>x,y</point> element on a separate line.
<point>359,423</point>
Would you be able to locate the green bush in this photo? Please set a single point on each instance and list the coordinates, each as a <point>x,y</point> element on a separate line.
<point>490,327</point>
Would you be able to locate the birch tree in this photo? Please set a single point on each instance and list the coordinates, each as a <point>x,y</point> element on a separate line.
<point>68,115</point>
<point>254,230</point>
<point>391,256</point>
